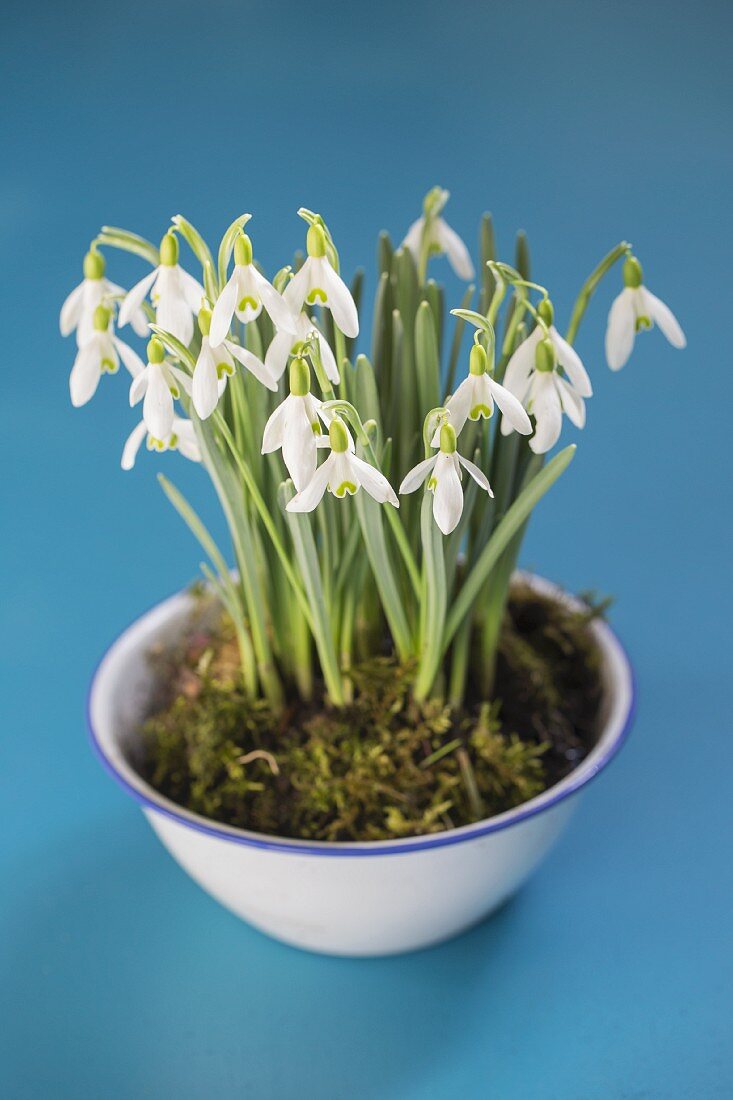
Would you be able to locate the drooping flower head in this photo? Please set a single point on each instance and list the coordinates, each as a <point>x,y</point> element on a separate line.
<point>160,383</point>
<point>294,426</point>
<point>635,310</point>
<point>443,471</point>
<point>319,284</point>
<point>246,294</point>
<point>475,397</point>
<point>181,437</point>
<point>94,290</point>
<point>100,354</point>
<point>216,363</point>
<point>176,295</point>
<point>342,473</point>
<point>283,343</point>
<point>543,391</point>
<point>431,235</point>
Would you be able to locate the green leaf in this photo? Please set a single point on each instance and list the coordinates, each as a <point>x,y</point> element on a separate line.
<point>427,358</point>
<point>455,349</point>
<point>502,536</point>
<point>434,599</point>
<point>114,237</point>
<point>195,241</point>
<point>307,557</point>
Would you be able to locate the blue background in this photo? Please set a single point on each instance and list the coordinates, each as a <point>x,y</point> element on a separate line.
<point>610,975</point>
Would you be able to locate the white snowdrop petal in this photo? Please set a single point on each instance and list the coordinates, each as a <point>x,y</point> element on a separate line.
<point>477,474</point>
<point>413,238</point>
<point>374,482</point>
<point>455,250</point>
<point>572,403</point>
<point>448,496</point>
<point>254,365</point>
<point>85,374</point>
<point>71,310</point>
<point>312,493</point>
<point>663,316</point>
<point>547,412</point>
<point>272,437</point>
<point>158,404</point>
<point>340,302</point>
<point>188,444</point>
<point>130,358</point>
<point>417,475</point>
<point>299,445</point>
<point>190,290</point>
<point>621,329</point>
<point>274,304</point>
<point>512,410</point>
<point>521,365</point>
<point>205,387</point>
<point>296,290</point>
<point>571,362</point>
<point>223,311</point>
<point>132,445</point>
<point>135,297</point>
<point>278,353</point>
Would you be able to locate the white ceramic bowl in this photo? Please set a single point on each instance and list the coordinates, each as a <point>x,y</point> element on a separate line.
<point>371,898</point>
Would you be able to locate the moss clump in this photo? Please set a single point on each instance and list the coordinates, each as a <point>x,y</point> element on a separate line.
<point>384,766</point>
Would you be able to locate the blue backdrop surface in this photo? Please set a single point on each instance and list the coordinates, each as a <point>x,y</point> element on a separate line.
<point>610,975</point>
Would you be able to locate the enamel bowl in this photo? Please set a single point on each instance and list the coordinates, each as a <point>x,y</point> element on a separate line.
<point>371,898</point>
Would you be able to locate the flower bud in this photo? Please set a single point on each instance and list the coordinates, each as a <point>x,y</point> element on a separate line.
<point>242,251</point>
<point>633,275</point>
<point>478,360</point>
<point>316,241</point>
<point>448,444</point>
<point>100,320</point>
<point>300,377</point>
<point>169,250</point>
<point>338,436</point>
<point>156,351</point>
<point>544,356</point>
<point>204,321</point>
<point>546,311</point>
<point>94,264</point>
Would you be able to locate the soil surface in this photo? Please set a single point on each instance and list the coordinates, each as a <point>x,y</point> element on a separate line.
<point>383,767</point>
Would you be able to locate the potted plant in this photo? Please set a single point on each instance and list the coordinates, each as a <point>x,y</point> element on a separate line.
<point>364,736</point>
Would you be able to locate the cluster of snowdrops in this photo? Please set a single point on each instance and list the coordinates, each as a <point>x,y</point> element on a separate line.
<point>258,366</point>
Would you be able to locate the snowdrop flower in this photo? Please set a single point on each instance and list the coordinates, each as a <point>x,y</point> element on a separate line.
<point>431,235</point>
<point>294,426</point>
<point>180,438</point>
<point>522,363</point>
<point>444,472</point>
<point>342,474</point>
<point>318,284</point>
<point>160,383</point>
<point>215,364</point>
<point>635,309</point>
<point>100,354</point>
<point>281,348</point>
<point>475,398</point>
<point>245,294</point>
<point>175,294</point>
<point>546,395</point>
<point>95,290</point>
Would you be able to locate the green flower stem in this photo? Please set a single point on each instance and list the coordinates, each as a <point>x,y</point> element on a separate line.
<point>589,286</point>
<point>433,602</point>
<point>460,653</point>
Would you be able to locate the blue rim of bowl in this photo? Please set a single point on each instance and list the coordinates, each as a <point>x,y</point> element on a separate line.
<point>150,799</point>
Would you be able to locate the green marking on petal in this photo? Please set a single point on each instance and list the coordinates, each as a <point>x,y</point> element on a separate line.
<point>316,428</point>
<point>643,323</point>
<point>315,293</point>
<point>222,369</point>
<point>173,441</point>
<point>175,392</point>
<point>344,488</point>
<point>432,483</point>
<point>109,366</point>
<point>248,301</point>
<point>480,410</point>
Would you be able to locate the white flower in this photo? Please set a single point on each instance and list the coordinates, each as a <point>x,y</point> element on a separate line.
<point>281,345</point>
<point>475,399</point>
<point>444,472</point>
<point>95,290</point>
<point>543,392</point>
<point>215,364</point>
<point>245,294</point>
<point>180,438</point>
<point>175,294</point>
<point>440,237</point>
<point>99,354</point>
<point>295,425</point>
<point>522,362</point>
<point>319,285</point>
<point>636,308</point>
<point>160,383</point>
<point>342,473</point>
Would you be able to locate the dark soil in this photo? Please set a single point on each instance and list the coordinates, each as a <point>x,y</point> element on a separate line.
<point>383,767</point>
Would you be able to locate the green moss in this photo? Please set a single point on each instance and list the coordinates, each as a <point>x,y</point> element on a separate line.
<point>384,766</point>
